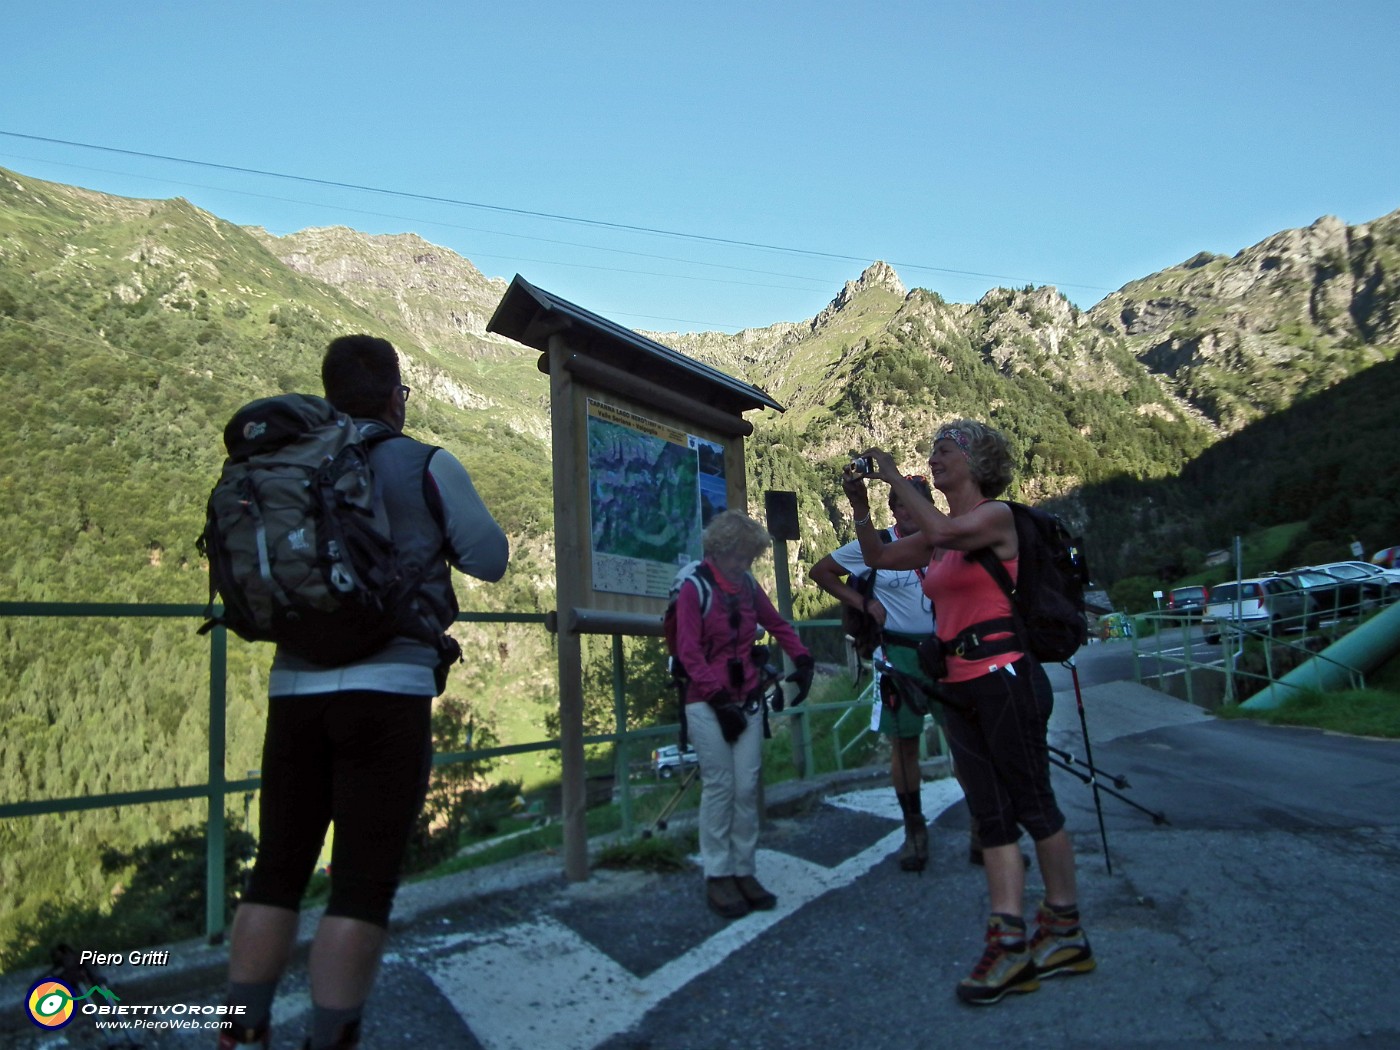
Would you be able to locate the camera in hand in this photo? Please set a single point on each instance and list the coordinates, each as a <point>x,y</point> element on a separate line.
<point>863,465</point>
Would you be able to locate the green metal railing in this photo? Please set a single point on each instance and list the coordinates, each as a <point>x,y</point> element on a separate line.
<point>1299,635</point>
<point>218,786</point>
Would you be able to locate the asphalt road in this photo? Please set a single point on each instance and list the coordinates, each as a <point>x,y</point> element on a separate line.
<point>1260,913</point>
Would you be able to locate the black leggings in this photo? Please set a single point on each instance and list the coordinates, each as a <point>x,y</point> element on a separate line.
<point>997,735</point>
<point>359,760</point>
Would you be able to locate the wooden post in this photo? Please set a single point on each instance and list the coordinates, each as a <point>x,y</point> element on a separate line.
<point>780,510</point>
<point>568,576</point>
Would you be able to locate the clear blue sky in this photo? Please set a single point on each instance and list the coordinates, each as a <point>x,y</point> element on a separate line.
<point>970,144</point>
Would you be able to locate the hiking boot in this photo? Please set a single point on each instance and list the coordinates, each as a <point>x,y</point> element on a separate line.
<point>234,1035</point>
<point>913,855</point>
<point>723,896</point>
<point>1059,944</point>
<point>1005,967</point>
<point>758,898</point>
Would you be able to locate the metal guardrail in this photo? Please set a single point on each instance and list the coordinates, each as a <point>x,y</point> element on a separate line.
<point>218,786</point>
<point>1298,634</point>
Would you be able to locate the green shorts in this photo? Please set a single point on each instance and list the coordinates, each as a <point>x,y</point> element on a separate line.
<point>901,721</point>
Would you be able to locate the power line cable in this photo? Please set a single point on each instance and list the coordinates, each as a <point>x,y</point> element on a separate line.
<point>505,209</point>
<point>340,209</point>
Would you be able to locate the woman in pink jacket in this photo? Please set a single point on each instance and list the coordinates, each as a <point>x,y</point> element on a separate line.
<point>723,701</point>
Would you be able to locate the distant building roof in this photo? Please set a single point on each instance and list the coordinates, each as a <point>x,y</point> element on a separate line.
<point>531,315</point>
<point>1098,602</point>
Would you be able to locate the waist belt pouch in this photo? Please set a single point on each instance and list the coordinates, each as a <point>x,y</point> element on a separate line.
<point>732,721</point>
<point>904,691</point>
<point>932,660</point>
<point>449,653</point>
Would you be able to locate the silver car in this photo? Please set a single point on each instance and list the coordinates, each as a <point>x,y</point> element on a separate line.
<point>1264,604</point>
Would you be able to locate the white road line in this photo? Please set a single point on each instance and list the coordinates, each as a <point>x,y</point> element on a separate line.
<point>539,986</point>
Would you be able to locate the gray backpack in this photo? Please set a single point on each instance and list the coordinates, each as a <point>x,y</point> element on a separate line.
<point>297,537</point>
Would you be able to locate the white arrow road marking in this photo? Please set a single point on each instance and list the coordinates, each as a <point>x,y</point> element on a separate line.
<point>540,986</point>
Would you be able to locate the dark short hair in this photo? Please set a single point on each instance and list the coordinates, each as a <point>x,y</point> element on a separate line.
<point>359,372</point>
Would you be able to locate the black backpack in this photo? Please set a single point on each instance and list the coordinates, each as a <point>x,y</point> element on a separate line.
<point>857,624</point>
<point>1047,599</point>
<point>297,536</point>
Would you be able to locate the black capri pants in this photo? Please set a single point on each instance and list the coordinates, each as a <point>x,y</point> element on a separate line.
<point>996,730</point>
<point>358,760</point>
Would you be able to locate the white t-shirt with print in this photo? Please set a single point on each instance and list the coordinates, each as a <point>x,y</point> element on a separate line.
<point>900,591</point>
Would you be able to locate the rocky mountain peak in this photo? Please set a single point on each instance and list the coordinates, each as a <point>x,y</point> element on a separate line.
<point>878,276</point>
<point>432,291</point>
<point>1303,307</point>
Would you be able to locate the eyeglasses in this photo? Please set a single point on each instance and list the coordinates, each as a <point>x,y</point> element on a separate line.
<point>404,392</point>
<point>917,479</point>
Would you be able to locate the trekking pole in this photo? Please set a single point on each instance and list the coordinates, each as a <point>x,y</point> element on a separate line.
<point>661,818</point>
<point>1119,781</point>
<point>1085,778</point>
<point>1093,781</point>
<point>906,682</point>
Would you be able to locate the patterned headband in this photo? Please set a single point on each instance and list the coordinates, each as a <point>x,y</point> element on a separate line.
<point>959,437</point>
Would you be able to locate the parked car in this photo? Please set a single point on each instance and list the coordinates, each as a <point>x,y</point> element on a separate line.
<point>1389,578</point>
<point>1328,597</point>
<point>1376,583</point>
<point>1336,594</point>
<point>1187,602</point>
<point>667,761</point>
<point>1267,603</point>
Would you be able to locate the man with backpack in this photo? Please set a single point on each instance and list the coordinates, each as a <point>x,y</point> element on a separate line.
<point>996,718</point>
<point>351,744</point>
<point>903,618</point>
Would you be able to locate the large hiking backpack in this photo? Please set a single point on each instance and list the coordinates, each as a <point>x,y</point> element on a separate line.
<point>1047,599</point>
<point>698,573</point>
<point>297,537</point>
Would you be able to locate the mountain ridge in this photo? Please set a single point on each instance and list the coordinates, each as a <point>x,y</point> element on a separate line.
<point>1135,386</point>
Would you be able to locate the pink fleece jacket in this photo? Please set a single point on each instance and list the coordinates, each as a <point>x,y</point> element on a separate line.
<point>706,646</point>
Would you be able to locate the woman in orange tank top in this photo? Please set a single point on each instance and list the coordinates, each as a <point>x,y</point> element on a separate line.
<point>996,715</point>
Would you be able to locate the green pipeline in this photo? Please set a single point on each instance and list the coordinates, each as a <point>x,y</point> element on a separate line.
<point>1363,650</point>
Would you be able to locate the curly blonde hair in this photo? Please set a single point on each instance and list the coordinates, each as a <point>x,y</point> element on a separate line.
<point>988,457</point>
<point>732,532</point>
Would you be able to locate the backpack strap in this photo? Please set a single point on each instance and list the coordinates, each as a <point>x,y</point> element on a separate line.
<point>970,644</point>
<point>704,581</point>
<point>865,582</point>
<point>885,536</point>
<point>989,561</point>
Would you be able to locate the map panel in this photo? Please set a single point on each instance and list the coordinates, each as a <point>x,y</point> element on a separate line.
<point>651,488</point>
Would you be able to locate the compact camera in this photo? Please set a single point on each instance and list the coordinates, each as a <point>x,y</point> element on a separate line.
<point>863,465</point>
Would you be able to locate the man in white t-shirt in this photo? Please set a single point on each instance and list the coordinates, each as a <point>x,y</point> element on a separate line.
<point>905,617</point>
